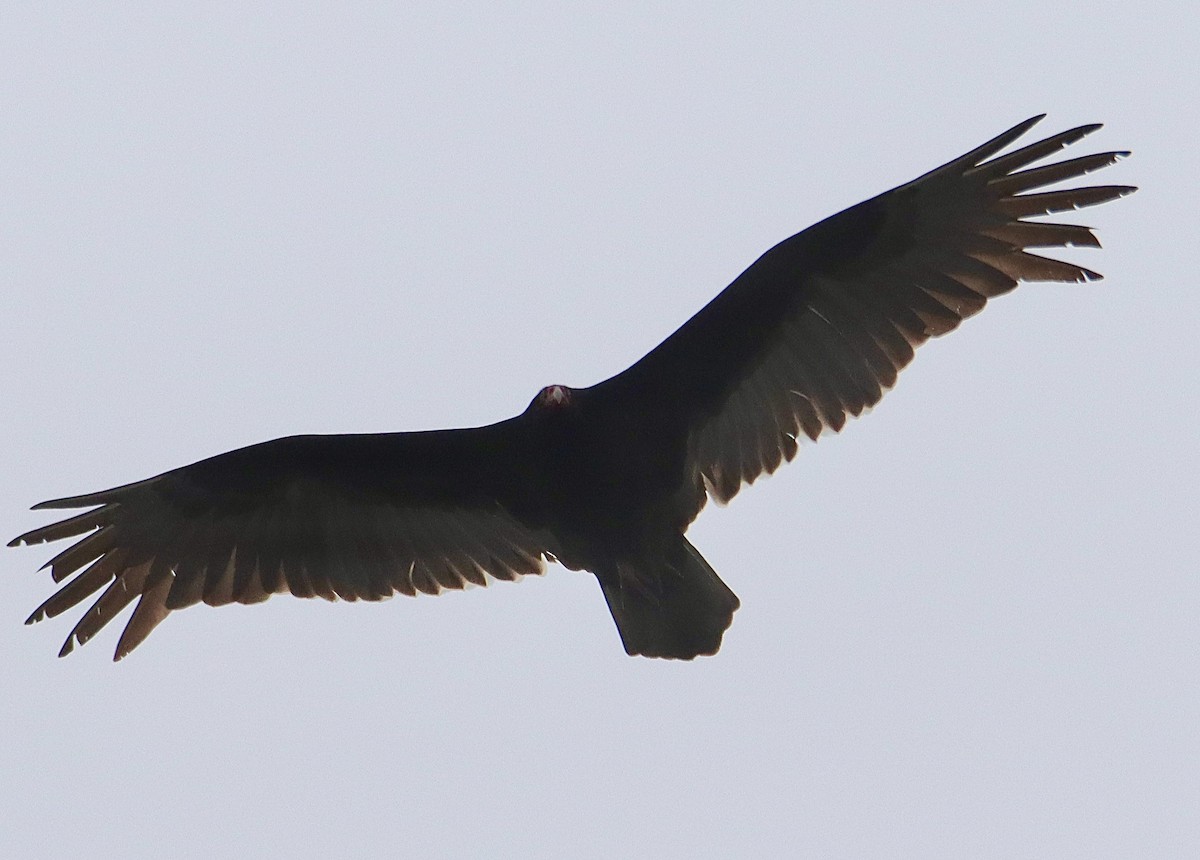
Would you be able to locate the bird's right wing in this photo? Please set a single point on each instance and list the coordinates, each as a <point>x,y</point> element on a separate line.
<point>350,517</point>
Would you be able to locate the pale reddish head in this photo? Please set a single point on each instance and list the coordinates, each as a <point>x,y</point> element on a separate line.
<point>552,397</point>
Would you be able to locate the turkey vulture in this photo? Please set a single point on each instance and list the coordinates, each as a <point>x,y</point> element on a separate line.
<point>607,478</point>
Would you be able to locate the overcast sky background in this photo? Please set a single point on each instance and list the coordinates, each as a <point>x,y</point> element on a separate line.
<point>969,623</point>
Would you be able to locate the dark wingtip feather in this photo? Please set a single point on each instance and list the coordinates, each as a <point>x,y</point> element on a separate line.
<point>103,497</point>
<point>999,142</point>
<point>29,538</point>
<point>150,611</point>
<point>1024,125</point>
<point>71,502</point>
<point>1076,134</point>
<point>70,527</point>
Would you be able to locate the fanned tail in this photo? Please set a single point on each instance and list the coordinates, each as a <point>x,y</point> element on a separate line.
<point>674,607</point>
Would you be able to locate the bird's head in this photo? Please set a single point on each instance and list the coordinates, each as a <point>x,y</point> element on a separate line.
<point>552,398</point>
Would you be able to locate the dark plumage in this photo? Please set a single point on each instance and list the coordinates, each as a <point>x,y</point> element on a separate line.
<point>605,478</point>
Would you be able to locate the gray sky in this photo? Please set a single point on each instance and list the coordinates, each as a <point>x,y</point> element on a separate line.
<point>969,622</point>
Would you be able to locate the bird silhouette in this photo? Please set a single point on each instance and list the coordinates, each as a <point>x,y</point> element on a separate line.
<point>608,478</point>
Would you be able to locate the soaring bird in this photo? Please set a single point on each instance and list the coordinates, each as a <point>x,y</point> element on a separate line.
<point>605,479</point>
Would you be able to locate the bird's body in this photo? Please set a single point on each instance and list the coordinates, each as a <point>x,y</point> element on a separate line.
<point>606,478</point>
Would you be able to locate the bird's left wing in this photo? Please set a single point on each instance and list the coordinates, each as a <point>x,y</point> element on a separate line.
<point>350,517</point>
<point>818,327</point>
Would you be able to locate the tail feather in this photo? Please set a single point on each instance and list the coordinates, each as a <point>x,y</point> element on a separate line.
<point>674,607</point>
